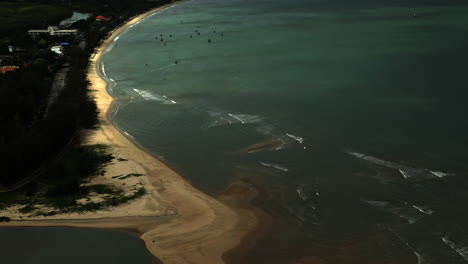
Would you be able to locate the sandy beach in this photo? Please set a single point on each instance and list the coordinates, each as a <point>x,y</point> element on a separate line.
<point>178,223</point>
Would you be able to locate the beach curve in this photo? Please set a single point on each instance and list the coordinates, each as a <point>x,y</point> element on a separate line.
<point>201,229</point>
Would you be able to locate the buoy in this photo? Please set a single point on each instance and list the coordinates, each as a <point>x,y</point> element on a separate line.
<point>209,40</point>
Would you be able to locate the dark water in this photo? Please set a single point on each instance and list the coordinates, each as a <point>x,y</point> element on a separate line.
<point>358,106</point>
<point>70,245</point>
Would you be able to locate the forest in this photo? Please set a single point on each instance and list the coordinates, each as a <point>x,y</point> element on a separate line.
<point>34,145</point>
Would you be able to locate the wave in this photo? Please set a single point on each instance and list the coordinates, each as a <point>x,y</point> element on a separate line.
<point>273,165</point>
<point>297,138</point>
<point>223,119</point>
<point>419,256</point>
<point>128,135</point>
<point>154,97</point>
<point>423,209</point>
<point>406,171</point>
<point>405,174</point>
<point>300,191</point>
<point>440,174</point>
<point>461,250</point>
<point>381,162</point>
<point>408,213</point>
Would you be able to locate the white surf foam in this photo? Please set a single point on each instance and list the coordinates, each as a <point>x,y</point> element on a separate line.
<point>246,119</point>
<point>461,250</point>
<point>420,257</point>
<point>297,138</point>
<point>423,210</point>
<point>406,171</point>
<point>127,134</point>
<point>276,166</point>
<point>300,191</point>
<point>377,161</point>
<point>404,174</point>
<point>439,174</point>
<point>401,212</point>
<point>223,119</point>
<point>154,97</point>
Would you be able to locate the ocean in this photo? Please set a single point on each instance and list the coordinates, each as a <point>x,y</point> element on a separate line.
<point>349,116</point>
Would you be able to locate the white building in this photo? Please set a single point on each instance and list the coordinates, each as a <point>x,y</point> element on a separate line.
<point>57,49</point>
<point>52,31</point>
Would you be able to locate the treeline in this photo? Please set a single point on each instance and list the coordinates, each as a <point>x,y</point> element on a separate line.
<point>31,142</point>
<point>35,142</point>
<point>19,16</point>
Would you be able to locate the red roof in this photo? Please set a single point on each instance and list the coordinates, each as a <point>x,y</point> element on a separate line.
<point>8,68</point>
<point>99,17</point>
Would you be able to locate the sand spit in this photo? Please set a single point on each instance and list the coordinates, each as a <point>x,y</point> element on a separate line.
<point>187,226</point>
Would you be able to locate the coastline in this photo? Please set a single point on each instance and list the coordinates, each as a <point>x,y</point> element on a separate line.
<point>197,228</point>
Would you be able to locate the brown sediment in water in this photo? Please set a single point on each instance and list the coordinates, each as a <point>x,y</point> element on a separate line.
<point>199,229</point>
<point>262,146</point>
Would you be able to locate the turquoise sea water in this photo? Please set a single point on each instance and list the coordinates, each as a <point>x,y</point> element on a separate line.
<point>357,109</point>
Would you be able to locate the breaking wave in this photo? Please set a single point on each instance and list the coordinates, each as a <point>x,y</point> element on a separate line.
<point>223,119</point>
<point>405,171</point>
<point>421,259</point>
<point>410,214</point>
<point>461,250</point>
<point>276,166</point>
<point>297,138</point>
<point>154,97</point>
<point>300,191</point>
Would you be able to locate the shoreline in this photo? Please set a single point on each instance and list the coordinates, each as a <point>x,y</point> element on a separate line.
<point>202,229</point>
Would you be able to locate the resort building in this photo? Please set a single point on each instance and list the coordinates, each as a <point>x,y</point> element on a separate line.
<point>53,31</point>
<point>5,69</point>
<point>57,49</point>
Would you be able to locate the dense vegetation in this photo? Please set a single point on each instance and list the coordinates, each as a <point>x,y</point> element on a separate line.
<point>20,16</point>
<point>45,149</point>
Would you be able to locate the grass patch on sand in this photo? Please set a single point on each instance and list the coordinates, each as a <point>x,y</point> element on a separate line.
<point>64,188</point>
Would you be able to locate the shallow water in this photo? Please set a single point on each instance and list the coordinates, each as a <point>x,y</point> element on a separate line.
<point>70,245</point>
<point>350,115</point>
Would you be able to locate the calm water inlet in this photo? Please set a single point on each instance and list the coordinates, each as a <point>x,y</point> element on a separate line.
<point>27,245</point>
